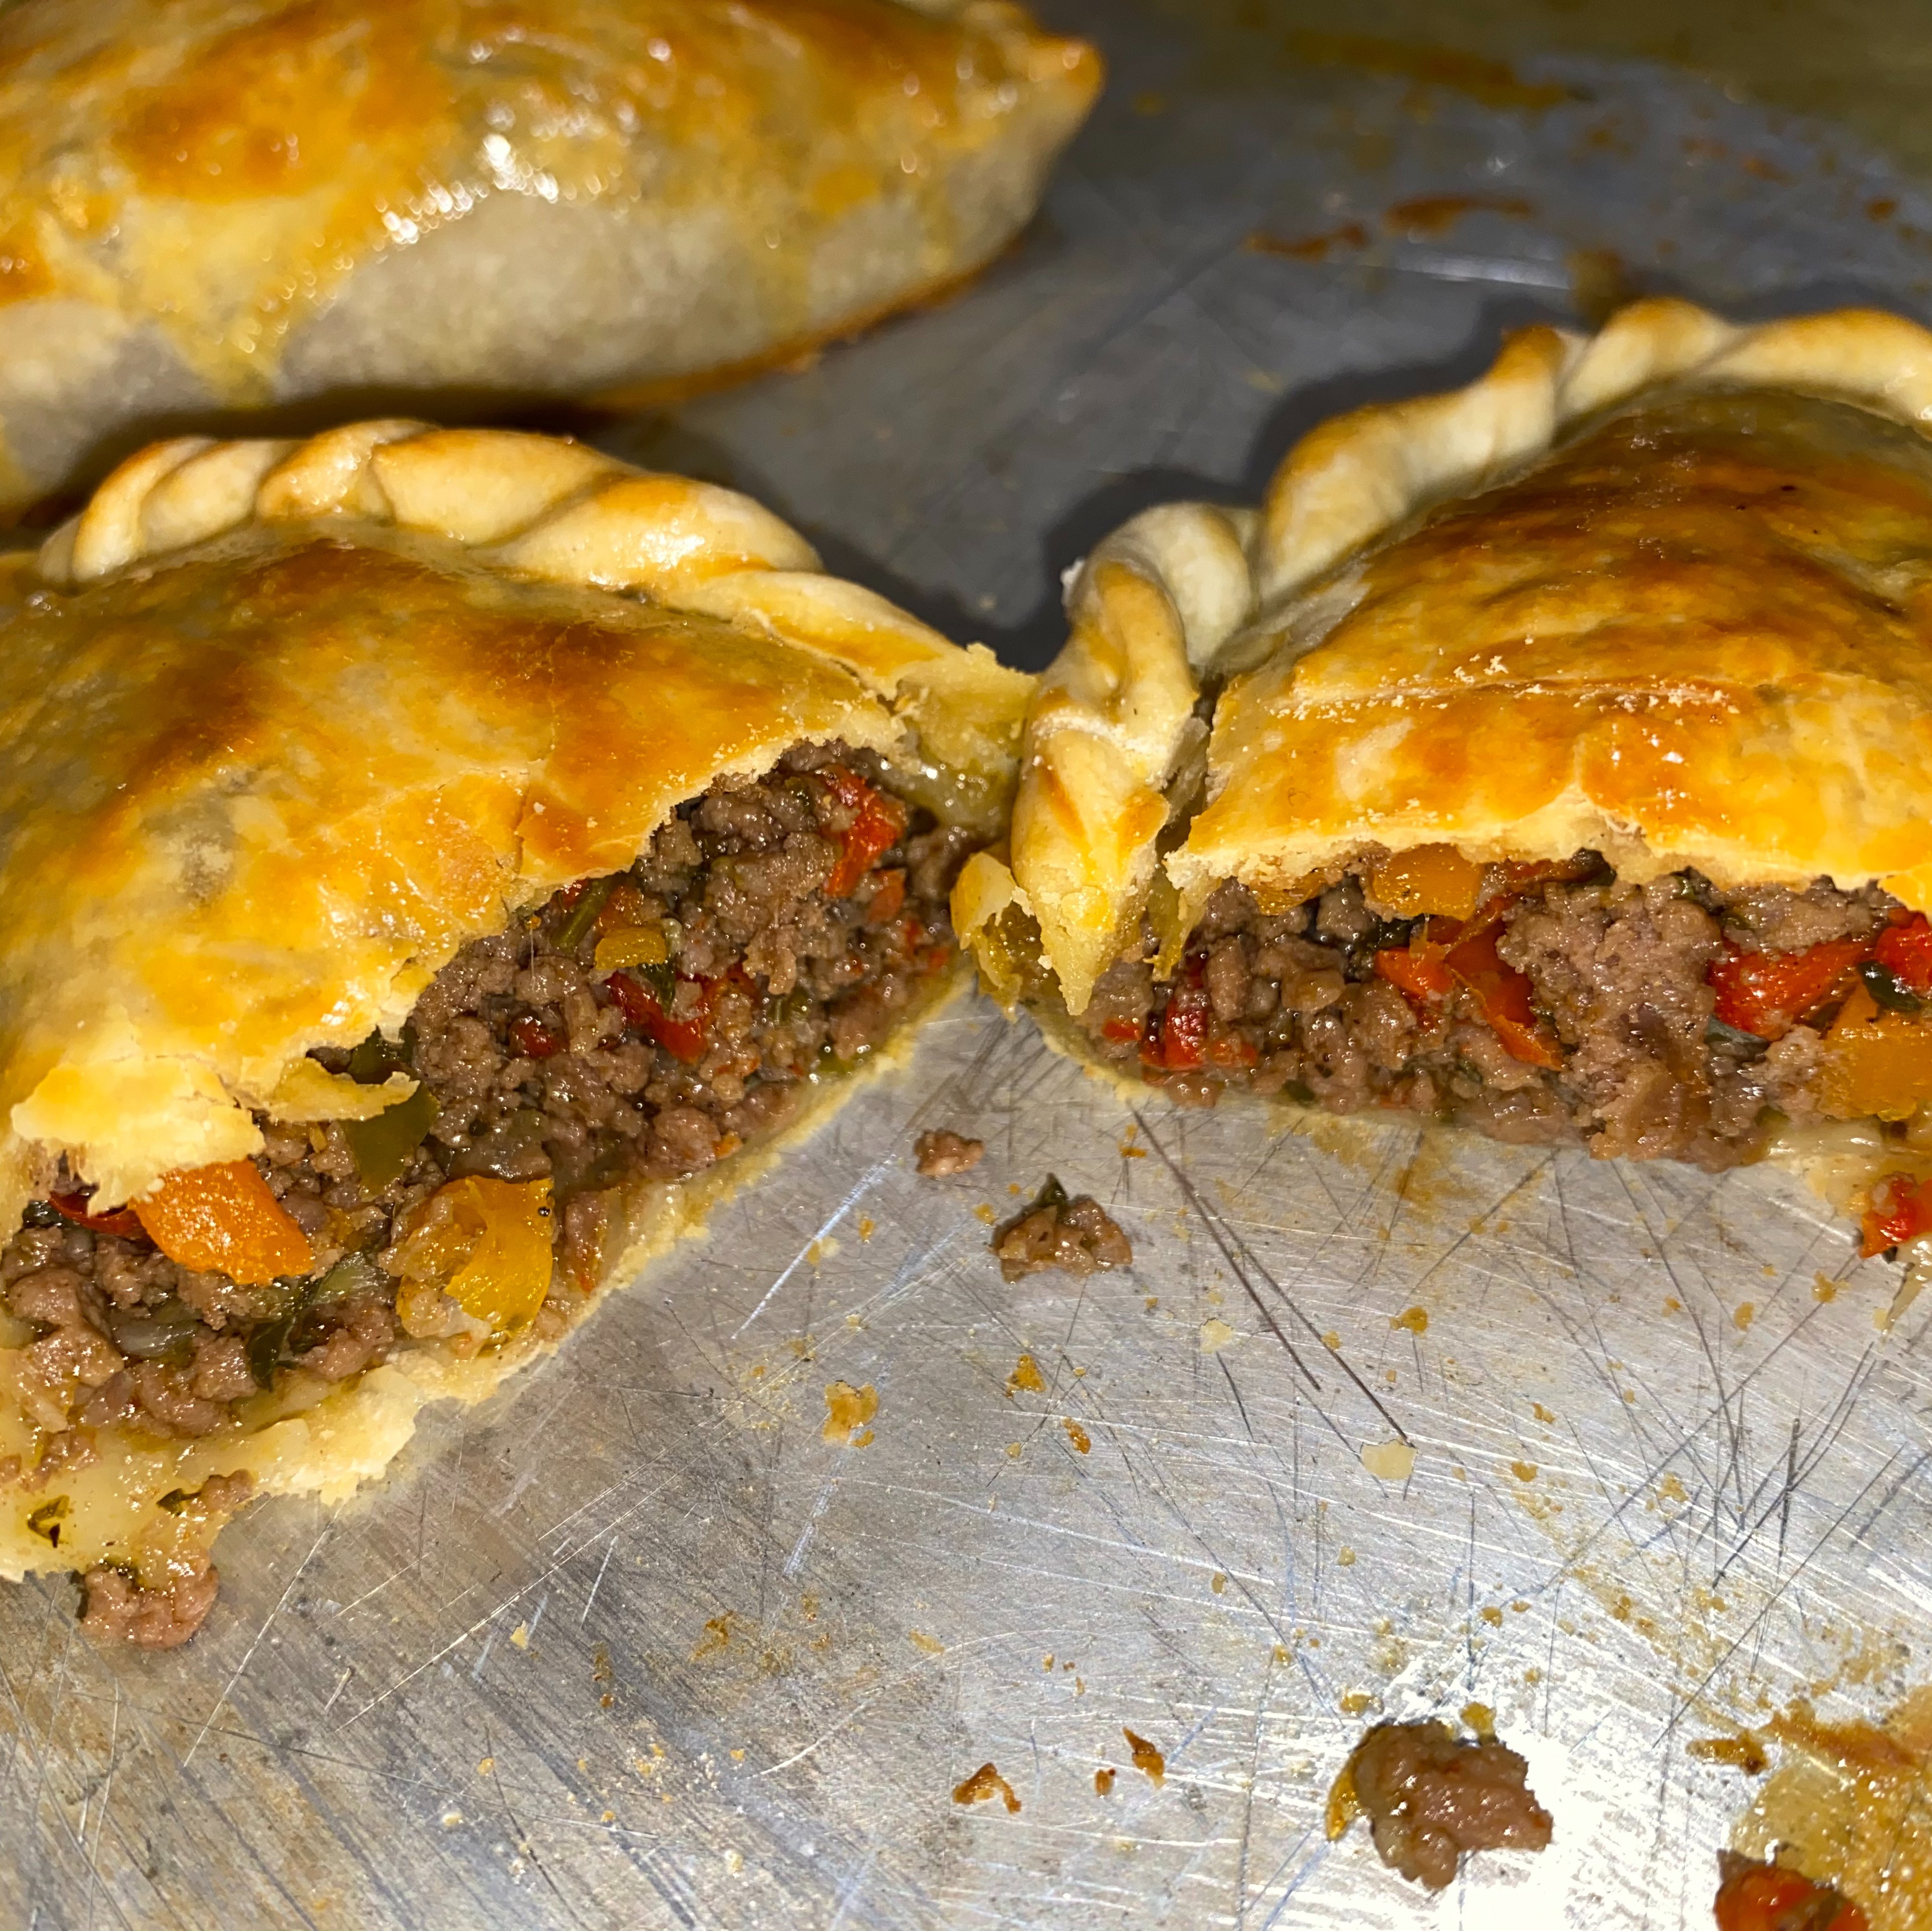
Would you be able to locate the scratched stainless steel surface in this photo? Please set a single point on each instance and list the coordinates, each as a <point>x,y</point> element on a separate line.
<point>636,1645</point>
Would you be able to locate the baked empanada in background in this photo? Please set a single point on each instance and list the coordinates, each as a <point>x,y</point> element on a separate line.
<point>213,205</point>
<point>1550,757</point>
<point>442,863</point>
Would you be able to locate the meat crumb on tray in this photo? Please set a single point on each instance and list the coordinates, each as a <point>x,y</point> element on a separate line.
<point>943,1152</point>
<point>1430,1796</point>
<point>1076,1236</point>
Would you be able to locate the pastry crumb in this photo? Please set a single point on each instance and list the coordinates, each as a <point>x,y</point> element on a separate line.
<point>943,1152</point>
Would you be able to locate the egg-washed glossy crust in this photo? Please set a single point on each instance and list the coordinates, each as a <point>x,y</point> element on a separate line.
<point>230,203</point>
<point>284,727</point>
<point>1698,633</point>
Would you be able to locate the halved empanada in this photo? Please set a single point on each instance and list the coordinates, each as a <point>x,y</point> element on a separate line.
<point>1568,767</point>
<point>441,863</point>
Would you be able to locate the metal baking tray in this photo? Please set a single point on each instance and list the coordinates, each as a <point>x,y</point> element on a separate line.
<point>637,1645</point>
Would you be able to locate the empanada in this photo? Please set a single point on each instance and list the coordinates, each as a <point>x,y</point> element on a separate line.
<point>229,204</point>
<point>442,863</point>
<point>1550,757</point>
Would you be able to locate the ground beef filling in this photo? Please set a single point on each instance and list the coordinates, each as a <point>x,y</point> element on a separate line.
<point>640,1026</point>
<point>1617,1044</point>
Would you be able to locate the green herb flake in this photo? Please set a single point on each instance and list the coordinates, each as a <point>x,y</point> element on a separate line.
<point>581,916</point>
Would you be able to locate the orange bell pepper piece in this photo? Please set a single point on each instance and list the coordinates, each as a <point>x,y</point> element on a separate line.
<point>223,1220</point>
<point>1420,969</point>
<point>488,1244</point>
<point>1428,879</point>
<point>1874,1065</point>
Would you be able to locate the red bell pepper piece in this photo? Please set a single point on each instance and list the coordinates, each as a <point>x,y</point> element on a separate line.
<point>1766,1897</point>
<point>1501,997</point>
<point>1905,951</point>
<point>1767,993</point>
<point>122,1221</point>
<point>875,828</point>
<point>534,1039</point>
<point>686,1040</point>
<point>1178,1039</point>
<point>1898,1209</point>
<point>1119,1031</point>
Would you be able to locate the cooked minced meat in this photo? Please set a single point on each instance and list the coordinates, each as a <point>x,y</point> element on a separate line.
<point>943,1152</point>
<point>1430,1796</point>
<point>116,1608</point>
<point>1618,1047</point>
<point>776,925</point>
<point>1076,1235</point>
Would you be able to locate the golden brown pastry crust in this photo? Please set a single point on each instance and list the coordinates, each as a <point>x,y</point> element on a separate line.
<point>236,202</point>
<point>1723,661</point>
<point>286,725</point>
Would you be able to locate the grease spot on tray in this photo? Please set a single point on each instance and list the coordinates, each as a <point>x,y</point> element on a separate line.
<point>1389,1461</point>
<point>1081,1441</point>
<point>984,1782</point>
<point>1103,1782</point>
<point>717,1635</point>
<point>1415,1319</point>
<point>1431,215</point>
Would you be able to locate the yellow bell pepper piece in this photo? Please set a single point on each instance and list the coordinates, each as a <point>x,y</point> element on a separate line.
<point>627,946</point>
<point>1428,879</point>
<point>487,1244</point>
<point>1874,1065</point>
